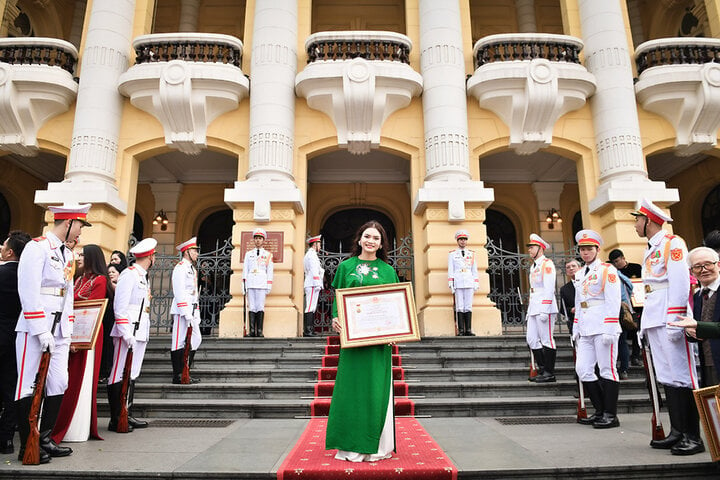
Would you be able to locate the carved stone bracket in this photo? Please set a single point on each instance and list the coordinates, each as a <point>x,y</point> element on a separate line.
<point>530,81</point>
<point>360,93</point>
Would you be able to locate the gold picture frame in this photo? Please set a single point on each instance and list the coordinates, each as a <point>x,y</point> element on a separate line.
<point>377,315</point>
<point>88,318</point>
<point>708,405</point>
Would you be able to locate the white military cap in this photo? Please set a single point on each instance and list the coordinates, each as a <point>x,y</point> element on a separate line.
<point>72,211</point>
<point>144,248</point>
<point>192,243</point>
<point>461,234</point>
<point>654,213</point>
<point>536,239</point>
<point>588,237</point>
<point>314,239</point>
<point>259,232</point>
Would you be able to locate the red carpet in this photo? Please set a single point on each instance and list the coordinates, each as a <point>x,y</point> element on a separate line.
<point>417,457</point>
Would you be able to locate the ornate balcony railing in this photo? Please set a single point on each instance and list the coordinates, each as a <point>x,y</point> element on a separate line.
<point>676,51</point>
<point>39,51</point>
<point>190,47</point>
<point>526,46</point>
<point>367,45</point>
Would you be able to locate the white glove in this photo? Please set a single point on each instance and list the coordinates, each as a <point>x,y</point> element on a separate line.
<point>452,287</point>
<point>476,288</point>
<point>268,291</point>
<point>575,335</point>
<point>244,290</point>
<point>608,339</point>
<point>676,335</point>
<point>129,341</point>
<point>47,341</point>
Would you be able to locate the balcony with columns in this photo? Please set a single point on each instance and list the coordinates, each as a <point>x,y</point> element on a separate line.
<point>358,79</point>
<point>530,80</point>
<point>36,83</point>
<point>679,79</point>
<point>186,80</point>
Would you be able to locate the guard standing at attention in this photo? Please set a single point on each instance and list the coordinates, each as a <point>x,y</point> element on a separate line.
<point>667,288</point>
<point>463,281</point>
<point>131,329</point>
<point>45,286</point>
<point>257,281</point>
<point>596,330</point>
<point>542,310</point>
<point>313,283</point>
<point>185,308</point>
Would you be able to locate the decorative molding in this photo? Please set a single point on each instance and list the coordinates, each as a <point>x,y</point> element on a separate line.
<point>442,55</point>
<point>92,152</point>
<point>619,152</point>
<point>274,54</point>
<point>446,152</point>
<point>270,150</point>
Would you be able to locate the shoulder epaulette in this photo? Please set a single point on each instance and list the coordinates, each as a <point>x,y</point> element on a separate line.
<point>39,239</point>
<point>132,267</point>
<point>605,264</point>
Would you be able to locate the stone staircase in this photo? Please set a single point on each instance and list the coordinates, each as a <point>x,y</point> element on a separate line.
<point>447,377</point>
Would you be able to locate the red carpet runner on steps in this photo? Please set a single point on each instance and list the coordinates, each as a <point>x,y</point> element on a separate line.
<point>417,457</point>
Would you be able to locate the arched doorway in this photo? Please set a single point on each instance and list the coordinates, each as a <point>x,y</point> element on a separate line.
<point>339,229</point>
<point>215,230</point>
<point>710,215</point>
<point>4,218</point>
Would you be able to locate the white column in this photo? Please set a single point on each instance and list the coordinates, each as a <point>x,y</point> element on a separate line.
<point>548,197</point>
<point>189,10</point>
<point>272,110</point>
<point>526,16</point>
<point>442,65</point>
<point>623,177</point>
<point>90,176</point>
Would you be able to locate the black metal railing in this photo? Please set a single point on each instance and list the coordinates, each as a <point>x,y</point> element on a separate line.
<point>38,54</point>
<point>513,48</point>
<point>189,50</point>
<point>676,54</point>
<point>338,49</point>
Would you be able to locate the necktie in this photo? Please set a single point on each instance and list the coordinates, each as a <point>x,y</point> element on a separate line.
<point>587,270</point>
<point>258,252</point>
<point>462,252</point>
<point>62,251</point>
<point>705,294</point>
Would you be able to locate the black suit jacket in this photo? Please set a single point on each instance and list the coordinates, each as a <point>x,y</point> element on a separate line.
<point>567,296</point>
<point>714,342</point>
<point>9,302</point>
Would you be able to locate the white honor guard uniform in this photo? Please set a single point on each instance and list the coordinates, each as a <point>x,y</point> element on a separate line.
<point>257,282</point>
<point>596,329</point>
<point>45,287</point>
<point>185,307</point>
<point>463,281</point>
<point>314,274</point>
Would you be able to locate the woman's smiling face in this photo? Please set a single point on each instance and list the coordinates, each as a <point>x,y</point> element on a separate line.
<point>370,241</point>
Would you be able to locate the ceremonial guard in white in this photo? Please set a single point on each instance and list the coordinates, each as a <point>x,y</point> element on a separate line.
<point>131,329</point>
<point>463,281</point>
<point>313,284</point>
<point>185,308</point>
<point>667,288</point>
<point>45,286</point>
<point>596,330</point>
<point>257,281</point>
<point>542,310</point>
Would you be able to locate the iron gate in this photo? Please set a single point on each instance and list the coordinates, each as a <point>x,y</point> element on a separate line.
<point>214,278</point>
<point>400,257</point>
<point>509,282</point>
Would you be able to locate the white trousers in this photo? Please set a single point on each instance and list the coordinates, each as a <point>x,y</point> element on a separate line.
<point>28,353</point>
<point>674,362</point>
<point>256,299</point>
<point>464,299</point>
<point>540,330</point>
<point>311,298</point>
<point>590,351</point>
<point>116,373</point>
<point>179,333</point>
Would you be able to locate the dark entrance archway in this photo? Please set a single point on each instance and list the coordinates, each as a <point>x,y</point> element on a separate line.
<point>710,214</point>
<point>215,230</point>
<point>504,267</point>
<point>4,218</point>
<point>339,229</point>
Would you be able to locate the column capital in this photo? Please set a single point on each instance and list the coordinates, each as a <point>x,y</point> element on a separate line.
<point>456,194</point>
<point>262,193</point>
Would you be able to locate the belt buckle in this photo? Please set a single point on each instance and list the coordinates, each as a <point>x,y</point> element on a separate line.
<point>61,292</point>
<point>583,305</point>
<point>648,288</point>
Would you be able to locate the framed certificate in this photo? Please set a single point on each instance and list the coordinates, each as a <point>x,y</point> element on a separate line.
<point>638,293</point>
<point>708,405</point>
<point>377,315</point>
<point>88,318</point>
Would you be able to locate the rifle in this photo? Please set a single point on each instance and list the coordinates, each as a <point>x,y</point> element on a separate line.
<point>185,377</point>
<point>455,314</point>
<point>533,369</point>
<point>245,319</point>
<point>32,444</point>
<point>123,425</point>
<point>657,429</point>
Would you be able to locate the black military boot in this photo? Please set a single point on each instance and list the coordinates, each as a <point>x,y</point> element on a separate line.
<point>691,443</point>
<point>252,330</point>
<point>539,363</point>
<point>22,408</point>
<point>176,357</point>
<point>259,324</point>
<point>548,375</point>
<point>132,421</point>
<point>468,325</point>
<point>114,391</point>
<point>675,421</point>
<point>460,321</point>
<point>50,411</point>
<point>594,391</point>
<point>308,319</point>
<point>610,390</point>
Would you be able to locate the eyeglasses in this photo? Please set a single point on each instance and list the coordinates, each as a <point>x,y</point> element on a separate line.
<point>697,268</point>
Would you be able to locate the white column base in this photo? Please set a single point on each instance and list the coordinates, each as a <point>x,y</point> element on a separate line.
<point>95,192</point>
<point>455,194</point>
<point>632,190</point>
<point>263,192</point>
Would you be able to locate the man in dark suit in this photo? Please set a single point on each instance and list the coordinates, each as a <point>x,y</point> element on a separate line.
<point>9,313</point>
<point>703,263</point>
<point>567,293</point>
